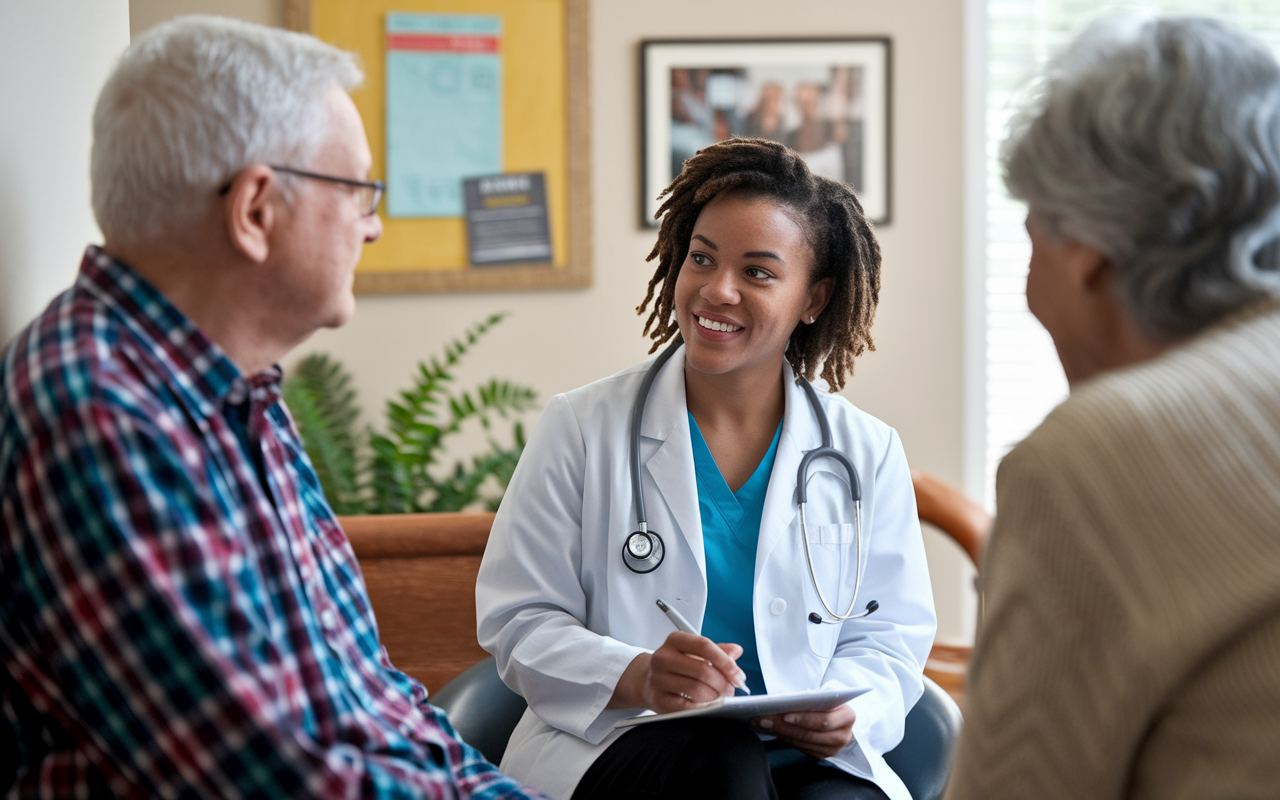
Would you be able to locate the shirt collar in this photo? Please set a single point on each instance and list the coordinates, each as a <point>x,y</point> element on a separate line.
<point>199,370</point>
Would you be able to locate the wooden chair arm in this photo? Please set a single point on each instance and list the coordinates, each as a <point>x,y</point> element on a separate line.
<point>945,506</point>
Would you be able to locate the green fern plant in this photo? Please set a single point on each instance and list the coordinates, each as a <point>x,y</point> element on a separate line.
<point>396,471</point>
<point>319,394</point>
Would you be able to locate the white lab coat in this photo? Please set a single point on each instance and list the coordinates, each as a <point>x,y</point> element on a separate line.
<point>564,615</point>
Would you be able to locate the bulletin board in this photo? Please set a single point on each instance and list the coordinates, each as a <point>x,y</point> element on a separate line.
<point>546,129</point>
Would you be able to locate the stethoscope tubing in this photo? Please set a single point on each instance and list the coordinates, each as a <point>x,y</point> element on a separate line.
<point>637,415</point>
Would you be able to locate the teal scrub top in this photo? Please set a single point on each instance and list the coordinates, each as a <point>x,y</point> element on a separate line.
<point>730,530</point>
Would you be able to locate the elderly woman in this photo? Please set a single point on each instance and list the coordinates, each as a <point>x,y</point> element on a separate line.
<point>1131,646</point>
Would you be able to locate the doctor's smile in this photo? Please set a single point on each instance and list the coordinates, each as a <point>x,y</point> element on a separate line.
<point>714,325</point>
<point>716,472</point>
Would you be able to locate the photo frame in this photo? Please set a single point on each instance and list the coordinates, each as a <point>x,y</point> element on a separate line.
<point>545,129</point>
<point>827,98</point>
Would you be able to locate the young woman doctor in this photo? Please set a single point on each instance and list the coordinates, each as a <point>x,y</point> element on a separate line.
<point>766,272</point>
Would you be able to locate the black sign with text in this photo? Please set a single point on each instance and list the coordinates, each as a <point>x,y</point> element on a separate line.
<point>507,219</point>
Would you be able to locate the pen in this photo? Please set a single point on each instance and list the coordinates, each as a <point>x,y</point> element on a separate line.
<point>683,625</point>
<point>676,617</point>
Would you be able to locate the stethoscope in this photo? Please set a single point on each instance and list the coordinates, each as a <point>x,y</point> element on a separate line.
<point>644,551</point>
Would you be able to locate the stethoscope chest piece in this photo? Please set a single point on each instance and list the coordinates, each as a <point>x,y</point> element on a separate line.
<point>643,551</point>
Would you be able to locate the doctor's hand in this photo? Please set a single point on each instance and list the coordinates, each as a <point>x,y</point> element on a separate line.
<point>821,734</point>
<point>687,670</point>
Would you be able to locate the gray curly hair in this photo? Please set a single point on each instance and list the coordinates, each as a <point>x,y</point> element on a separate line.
<point>1158,142</point>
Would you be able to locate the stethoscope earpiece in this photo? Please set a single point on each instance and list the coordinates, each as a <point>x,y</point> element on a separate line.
<point>643,551</point>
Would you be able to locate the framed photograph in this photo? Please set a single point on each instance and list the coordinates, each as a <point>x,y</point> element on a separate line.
<point>826,98</point>
<point>465,90</point>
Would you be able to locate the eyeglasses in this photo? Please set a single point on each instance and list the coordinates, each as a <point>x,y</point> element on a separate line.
<point>368,193</point>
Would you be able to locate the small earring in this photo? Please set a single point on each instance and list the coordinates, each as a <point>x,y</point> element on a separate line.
<point>810,320</point>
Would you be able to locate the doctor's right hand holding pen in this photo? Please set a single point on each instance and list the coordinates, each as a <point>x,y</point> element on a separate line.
<point>687,670</point>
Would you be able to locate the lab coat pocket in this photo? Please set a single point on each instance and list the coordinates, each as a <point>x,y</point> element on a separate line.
<point>833,559</point>
<point>841,533</point>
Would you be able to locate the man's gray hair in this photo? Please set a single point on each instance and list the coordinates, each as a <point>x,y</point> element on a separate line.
<point>194,101</point>
<point>1158,142</point>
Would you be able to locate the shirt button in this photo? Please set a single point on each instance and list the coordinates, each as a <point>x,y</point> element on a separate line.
<point>777,606</point>
<point>328,619</point>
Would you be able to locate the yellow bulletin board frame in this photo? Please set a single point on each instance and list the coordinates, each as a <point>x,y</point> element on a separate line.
<point>546,129</point>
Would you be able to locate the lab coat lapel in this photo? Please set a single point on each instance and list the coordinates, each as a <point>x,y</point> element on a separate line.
<point>671,466</point>
<point>800,434</point>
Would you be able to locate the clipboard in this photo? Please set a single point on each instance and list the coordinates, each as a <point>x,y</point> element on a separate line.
<point>746,707</point>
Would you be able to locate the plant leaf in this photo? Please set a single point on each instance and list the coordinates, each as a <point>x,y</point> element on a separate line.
<point>390,473</point>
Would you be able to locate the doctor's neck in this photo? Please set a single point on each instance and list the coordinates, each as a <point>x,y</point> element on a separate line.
<point>741,398</point>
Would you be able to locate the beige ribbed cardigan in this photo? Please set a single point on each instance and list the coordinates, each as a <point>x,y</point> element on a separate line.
<point>1131,645</point>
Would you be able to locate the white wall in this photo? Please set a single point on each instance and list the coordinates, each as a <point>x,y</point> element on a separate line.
<point>557,340</point>
<point>145,14</point>
<point>54,55</point>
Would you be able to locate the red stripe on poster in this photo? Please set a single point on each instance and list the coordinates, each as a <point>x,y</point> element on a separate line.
<point>442,43</point>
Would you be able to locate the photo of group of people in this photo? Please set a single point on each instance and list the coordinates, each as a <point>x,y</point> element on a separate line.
<point>827,99</point>
<point>813,109</point>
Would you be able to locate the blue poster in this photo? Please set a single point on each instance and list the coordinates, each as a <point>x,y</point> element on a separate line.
<point>444,109</point>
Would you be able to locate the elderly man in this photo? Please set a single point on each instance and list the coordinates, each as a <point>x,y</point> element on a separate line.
<point>182,615</point>
<point>1131,646</point>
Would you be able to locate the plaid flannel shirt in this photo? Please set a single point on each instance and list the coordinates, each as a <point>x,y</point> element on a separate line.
<point>180,613</point>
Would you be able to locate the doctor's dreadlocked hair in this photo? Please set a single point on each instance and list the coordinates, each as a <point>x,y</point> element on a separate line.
<point>839,236</point>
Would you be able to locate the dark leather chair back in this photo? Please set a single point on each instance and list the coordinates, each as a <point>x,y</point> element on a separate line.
<point>482,709</point>
<point>923,758</point>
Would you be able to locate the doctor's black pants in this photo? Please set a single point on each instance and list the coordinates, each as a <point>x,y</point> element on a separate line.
<point>709,758</point>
